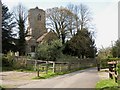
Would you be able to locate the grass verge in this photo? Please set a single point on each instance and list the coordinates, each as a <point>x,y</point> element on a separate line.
<point>51,74</point>
<point>2,88</point>
<point>107,84</point>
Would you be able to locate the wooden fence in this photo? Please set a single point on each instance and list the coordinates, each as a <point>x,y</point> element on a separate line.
<point>113,72</point>
<point>55,66</point>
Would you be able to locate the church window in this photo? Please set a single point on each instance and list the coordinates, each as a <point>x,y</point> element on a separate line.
<point>39,17</point>
<point>32,48</point>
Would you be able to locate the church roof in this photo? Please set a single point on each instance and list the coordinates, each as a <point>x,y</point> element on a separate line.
<point>28,38</point>
<point>36,8</point>
<point>47,37</point>
<point>42,37</point>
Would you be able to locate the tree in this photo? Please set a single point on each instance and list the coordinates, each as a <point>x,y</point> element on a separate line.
<point>74,9</point>
<point>116,49</point>
<point>59,21</point>
<point>83,18</point>
<point>82,44</point>
<point>20,14</point>
<point>49,51</point>
<point>7,30</point>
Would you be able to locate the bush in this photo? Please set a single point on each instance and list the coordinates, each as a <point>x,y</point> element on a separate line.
<point>8,60</point>
<point>104,62</point>
<point>5,62</point>
<point>118,68</point>
<point>107,84</point>
<point>49,51</point>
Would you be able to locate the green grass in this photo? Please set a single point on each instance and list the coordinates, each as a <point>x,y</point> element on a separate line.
<point>107,84</point>
<point>51,74</point>
<point>45,76</point>
<point>2,88</point>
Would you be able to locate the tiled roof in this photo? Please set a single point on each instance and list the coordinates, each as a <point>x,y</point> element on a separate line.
<point>42,37</point>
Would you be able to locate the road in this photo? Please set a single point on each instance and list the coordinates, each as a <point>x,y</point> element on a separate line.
<point>81,79</point>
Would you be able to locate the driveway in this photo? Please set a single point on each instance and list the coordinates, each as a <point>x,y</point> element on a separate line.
<point>81,79</point>
<point>13,79</point>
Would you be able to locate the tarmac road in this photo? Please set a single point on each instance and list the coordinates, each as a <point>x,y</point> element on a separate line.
<point>81,79</point>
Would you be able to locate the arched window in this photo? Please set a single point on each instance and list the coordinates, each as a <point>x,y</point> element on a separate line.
<point>39,17</point>
<point>32,48</point>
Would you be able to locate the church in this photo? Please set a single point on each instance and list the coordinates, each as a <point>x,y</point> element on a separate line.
<point>37,32</point>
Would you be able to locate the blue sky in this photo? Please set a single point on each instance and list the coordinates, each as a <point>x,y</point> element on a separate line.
<point>104,13</point>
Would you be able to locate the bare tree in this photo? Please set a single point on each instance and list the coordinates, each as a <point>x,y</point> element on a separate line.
<point>74,9</point>
<point>84,16</point>
<point>20,11</point>
<point>20,14</point>
<point>59,20</point>
<point>82,13</point>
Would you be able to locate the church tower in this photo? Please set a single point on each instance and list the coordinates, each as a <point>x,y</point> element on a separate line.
<point>37,32</point>
<point>36,21</point>
<point>36,28</point>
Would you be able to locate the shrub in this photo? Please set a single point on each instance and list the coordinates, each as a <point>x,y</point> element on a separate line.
<point>107,84</point>
<point>118,68</point>
<point>104,62</point>
<point>5,61</point>
<point>8,60</point>
<point>49,51</point>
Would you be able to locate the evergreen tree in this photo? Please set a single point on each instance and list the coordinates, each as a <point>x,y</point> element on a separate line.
<point>82,44</point>
<point>21,17</point>
<point>7,30</point>
<point>116,49</point>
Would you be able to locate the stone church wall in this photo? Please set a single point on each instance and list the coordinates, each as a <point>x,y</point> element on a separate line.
<point>36,20</point>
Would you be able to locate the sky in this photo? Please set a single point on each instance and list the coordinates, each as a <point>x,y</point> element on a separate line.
<point>104,14</point>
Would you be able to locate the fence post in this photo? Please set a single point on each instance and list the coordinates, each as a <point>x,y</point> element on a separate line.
<point>35,65</point>
<point>69,66</point>
<point>54,67</point>
<point>26,62</point>
<point>98,66</point>
<point>60,67</point>
<point>115,72</point>
<point>79,64</point>
<point>38,71</point>
<point>118,77</point>
<point>46,67</point>
<point>110,69</point>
